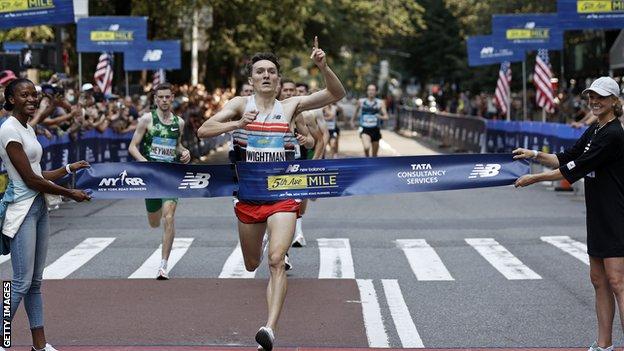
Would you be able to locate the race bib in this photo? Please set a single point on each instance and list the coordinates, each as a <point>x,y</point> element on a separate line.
<point>265,149</point>
<point>163,149</point>
<point>369,121</point>
<point>331,124</point>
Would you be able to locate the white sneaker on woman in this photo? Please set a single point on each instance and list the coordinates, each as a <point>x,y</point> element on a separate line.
<point>595,347</point>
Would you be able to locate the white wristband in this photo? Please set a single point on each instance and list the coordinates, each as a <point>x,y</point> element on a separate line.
<point>68,169</point>
<point>535,153</point>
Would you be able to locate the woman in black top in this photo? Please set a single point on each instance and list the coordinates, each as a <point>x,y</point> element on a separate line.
<point>598,156</point>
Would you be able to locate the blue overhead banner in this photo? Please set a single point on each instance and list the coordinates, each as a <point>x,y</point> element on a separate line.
<point>153,55</point>
<point>528,31</point>
<point>591,14</point>
<point>110,34</point>
<point>483,51</point>
<point>14,46</point>
<point>26,13</point>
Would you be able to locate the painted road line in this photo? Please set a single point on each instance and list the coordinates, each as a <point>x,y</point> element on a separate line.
<point>149,268</point>
<point>373,321</point>
<point>503,260</point>
<point>400,315</point>
<point>234,266</point>
<point>336,259</point>
<point>572,247</point>
<point>387,147</point>
<point>76,257</point>
<point>5,258</point>
<point>425,262</point>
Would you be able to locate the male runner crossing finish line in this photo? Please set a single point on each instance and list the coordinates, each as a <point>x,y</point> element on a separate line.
<point>262,129</point>
<point>159,135</point>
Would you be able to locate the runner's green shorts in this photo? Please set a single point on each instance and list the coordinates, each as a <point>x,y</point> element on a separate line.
<point>153,205</point>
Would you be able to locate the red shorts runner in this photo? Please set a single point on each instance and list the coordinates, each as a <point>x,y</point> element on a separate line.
<point>250,213</point>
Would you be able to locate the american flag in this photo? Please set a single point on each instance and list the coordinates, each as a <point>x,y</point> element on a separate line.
<point>158,77</point>
<point>502,92</point>
<point>544,96</point>
<point>104,73</point>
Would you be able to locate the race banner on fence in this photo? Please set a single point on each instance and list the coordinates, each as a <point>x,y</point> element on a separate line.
<point>590,14</point>
<point>503,136</point>
<point>274,181</point>
<point>528,31</point>
<point>483,51</point>
<point>110,34</point>
<point>153,55</point>
<point>26,13</point>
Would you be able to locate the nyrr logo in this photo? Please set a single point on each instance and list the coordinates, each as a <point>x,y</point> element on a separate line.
<point>484,171</point>
<point>152,55</point>
<point>292,168</point>
<point>194,181</point>
<point>488,50</point>
<point>122,180</point>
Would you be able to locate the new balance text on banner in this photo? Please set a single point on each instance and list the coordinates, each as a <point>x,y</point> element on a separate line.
<point>527,31</point>
<point>483,51</point>
<point>26,13</point>
<point>590,14</point>
<point>156,180</point>
<point>368,176</point>
<point>110,34</point>
<point>153,55</point>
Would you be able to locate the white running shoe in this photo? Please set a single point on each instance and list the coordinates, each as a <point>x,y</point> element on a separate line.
<point>265,338</point>
<point>287,263</point>
<point>299,240</point>
<point>162,274</point>
<point>595,347</point>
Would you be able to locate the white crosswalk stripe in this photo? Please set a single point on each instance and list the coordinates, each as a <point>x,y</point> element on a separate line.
<point>234,266</point>
<point>149,268</point>
<point>424,261</point>
<point>76,257</point>
<point>501,259</point>
<point>400,315</point>
<point>5,258</point>
<point>373,321</point>
<point>575,248</point>
<point>335,259</point>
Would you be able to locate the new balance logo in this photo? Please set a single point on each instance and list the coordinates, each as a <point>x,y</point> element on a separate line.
<point>488,50</point>
<point>292,168</point>
<point>152,55</point>
<point>194,181</point>
<point>484,171</point>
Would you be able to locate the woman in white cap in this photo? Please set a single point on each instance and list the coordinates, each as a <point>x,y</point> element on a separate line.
<point>598,156</point>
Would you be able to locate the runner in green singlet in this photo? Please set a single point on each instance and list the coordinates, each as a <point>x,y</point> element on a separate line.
<point>158,138</point>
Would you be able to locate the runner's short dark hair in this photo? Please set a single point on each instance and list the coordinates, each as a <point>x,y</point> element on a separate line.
<point>302,84</point>
<point>287,80</point>
<point>162,86</point>
<point>263,56</point>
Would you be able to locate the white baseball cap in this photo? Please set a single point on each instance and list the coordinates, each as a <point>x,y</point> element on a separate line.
<point>604,86</point>
<point>87,86</point>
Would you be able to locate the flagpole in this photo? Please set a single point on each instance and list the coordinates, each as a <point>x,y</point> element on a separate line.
<point>524,92</point>
<point>127,90</point>
<point>79,71</point>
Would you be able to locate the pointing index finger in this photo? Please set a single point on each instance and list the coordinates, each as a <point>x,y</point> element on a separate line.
<point>316,42</point>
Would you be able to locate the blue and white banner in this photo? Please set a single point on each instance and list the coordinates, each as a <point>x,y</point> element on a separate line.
<point>153,55</point>
<point>26,13</point>
<point>110,34</point>
<point>528,31</point>
<point>590,14</point>
<point>274,181</point>
<point>483,51</point>
<point>156,180</point>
